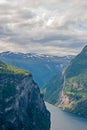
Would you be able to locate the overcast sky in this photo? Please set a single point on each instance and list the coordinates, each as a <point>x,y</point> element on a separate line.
<point>56,27</point>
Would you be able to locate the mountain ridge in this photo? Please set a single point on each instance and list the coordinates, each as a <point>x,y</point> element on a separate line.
<point>72,95</point>
<point>43,67</point>
<point>74,98</point>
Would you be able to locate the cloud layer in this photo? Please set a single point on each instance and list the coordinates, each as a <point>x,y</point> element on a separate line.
<point>57,27</point>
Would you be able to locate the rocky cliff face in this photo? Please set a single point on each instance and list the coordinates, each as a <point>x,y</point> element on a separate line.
<point>21,104</point>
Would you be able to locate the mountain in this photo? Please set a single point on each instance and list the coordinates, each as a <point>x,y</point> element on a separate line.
<point>52,89</point>
<point>21,104</point>
<point>43,67</point>
<point>68,90</point>
<point>74,93</point>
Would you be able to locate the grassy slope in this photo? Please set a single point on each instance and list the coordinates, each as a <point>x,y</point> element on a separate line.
<point>8,69</point>
<point>9,77</point>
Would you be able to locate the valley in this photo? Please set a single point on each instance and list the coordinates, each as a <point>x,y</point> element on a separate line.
<point>43,67</point>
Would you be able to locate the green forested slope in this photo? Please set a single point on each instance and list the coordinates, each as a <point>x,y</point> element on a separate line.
<point>74,98</point>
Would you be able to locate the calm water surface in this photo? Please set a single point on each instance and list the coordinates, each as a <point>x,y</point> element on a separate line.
<point>64,121</point>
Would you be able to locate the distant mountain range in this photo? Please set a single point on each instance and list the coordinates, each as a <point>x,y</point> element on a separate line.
<point>43,67</point>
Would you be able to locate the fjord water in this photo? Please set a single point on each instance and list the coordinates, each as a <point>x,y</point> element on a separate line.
<point>61,120</point>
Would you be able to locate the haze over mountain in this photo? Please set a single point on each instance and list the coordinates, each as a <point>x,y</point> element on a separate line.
<point>43,67</point>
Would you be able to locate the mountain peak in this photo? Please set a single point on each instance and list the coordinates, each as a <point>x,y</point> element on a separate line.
<point>84,52</point>
<point>85,48</point>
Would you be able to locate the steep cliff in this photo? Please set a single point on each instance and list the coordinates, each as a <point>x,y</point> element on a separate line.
<point>74,93</point>
<point>21,104</point>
